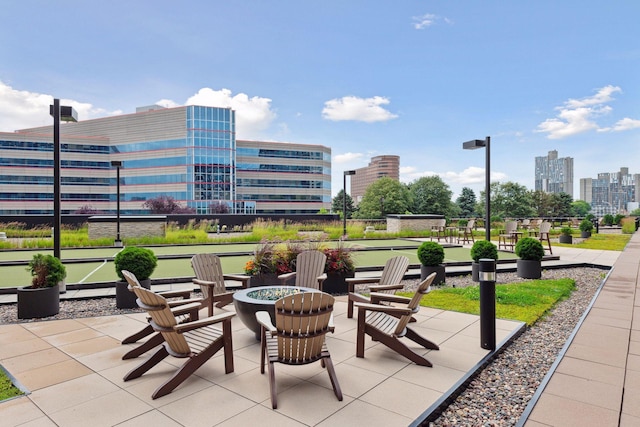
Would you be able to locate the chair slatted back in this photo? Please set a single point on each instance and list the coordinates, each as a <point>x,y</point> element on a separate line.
<point>393,271</point>
<point>302,321</point>
<point>423,289</point>
<point>309,266</point>
<point>510,227</point>
<point>440,224</point>
<point>209,268</point>
<point>470,225</point>
<point>162,319</point>
<point>545,227</point>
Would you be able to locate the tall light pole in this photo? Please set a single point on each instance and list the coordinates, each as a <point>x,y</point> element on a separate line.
<point>68,114</point>
<point>117,164</point>
<point>486,143</point>
<point>344,201</point>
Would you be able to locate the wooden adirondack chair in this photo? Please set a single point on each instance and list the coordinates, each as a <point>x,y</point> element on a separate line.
<point>298,337</point>
<point>211,279</point>
<point>185,309</point>
<point>389,324</point>
<point>389,282</point>
<point>196,341</point>
<point>309,270</point>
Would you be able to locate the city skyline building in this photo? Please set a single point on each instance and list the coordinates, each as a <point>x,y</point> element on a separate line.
<point>189,153</point>
<point>611,193</point>
<point>379,166</point>
<point>553,174</point>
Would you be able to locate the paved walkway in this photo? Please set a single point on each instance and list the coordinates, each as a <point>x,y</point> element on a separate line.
<point>597,381</point>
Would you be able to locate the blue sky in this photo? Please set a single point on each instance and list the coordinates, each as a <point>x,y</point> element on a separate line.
<point>410,78</point>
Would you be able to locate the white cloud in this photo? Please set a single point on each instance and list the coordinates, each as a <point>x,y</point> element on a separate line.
<point>347,157</point>
<point>21,109</point>
<point>357,109</point>
<point>626,124</point>
<point>578,115</point>
<point>427,20</point>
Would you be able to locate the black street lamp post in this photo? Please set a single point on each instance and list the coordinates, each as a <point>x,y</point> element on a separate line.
<point>117,164</point>
<point>344,201</point>
<point>472,145</point>
<point>68,114</point>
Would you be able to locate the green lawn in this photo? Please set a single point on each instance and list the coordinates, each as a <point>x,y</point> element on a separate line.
<point>526,301</point>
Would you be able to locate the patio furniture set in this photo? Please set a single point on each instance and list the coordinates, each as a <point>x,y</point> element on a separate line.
<point>508,238</point>
<point>291,322</point>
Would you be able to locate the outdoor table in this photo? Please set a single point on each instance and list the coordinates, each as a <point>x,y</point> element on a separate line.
<point>451,233</point>
<point>249,301</point>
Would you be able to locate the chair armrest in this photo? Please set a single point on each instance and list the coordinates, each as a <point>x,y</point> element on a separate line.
<point>186,294</point>
<point>287,276</point>
<point>384,308</point>
<point>377,297</point>
<point>321,278</point>
<point>330,325</point>
<point>376,288</point>
<point>196,324</point>
<point>238,278</point>
<point>203,282</point>
<point>180,303</point>
<point>362,280</point>
<point>264,319</point>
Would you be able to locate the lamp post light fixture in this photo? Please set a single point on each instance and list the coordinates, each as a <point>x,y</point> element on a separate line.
<point>117,164</point>
<point>67,114</point>
<point>472,145</point>
<point>344,202</point>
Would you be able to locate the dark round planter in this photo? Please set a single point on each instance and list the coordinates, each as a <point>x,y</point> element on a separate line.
<point>426,270</point>
<point>529,269</point>
<point>125,298</point>
<point>585,234</point>
<point>38,302</point>
<point>335,283</point>
<point>563,238</point>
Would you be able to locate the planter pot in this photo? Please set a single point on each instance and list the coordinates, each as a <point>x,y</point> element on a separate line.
<point>125,298</point>
<point>529,269</point>
<point>38,302</point>
<point>585,234</point>
<point>426,270</point>
<point>475,271</point>
<point>265,279</point>
<point>563,238</point>
<point>335,283</point>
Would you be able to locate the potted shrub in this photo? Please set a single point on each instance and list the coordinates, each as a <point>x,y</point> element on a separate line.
<point>431,256</point>
<point>586,226</point>
<point>565,235</point>
<point>482,249</point>
<point>263,267</point>
<point>139,261</point>
<point>530,252</point>
<point>42,297</point>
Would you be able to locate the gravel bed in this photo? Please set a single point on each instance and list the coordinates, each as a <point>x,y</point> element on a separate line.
<point>500,393</point>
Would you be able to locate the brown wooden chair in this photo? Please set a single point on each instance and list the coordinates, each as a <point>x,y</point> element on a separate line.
<point>438,229</point>
<point>465,234</point>
<point>507,239</point>
<point>211,279</point>
<point>309,270</point>
<point>389,282</point>
<point>186,309</point>
<point>543,234</point>
<point>196,341</point>
<point>388,324</point>
<point>298,337</point>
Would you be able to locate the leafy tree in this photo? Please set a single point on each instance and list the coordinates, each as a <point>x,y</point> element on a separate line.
<point>431,195</point>
<point>86,209</point>
<point>337,203</point>
<point>219,207</point>
<point>580,208</point>
<point>467,203</point>
<point>510,200</point>
<point>166,205</point>
<point>384,194</point>
<point>541,203</point>
<point>561,204</point>
<point>635,212</point>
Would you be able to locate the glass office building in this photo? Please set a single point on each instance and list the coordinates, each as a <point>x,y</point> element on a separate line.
<point>187,153</point>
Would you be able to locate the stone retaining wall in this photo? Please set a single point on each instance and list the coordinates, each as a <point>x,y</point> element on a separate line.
<point>397,223</point>
<point>129,227</point>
